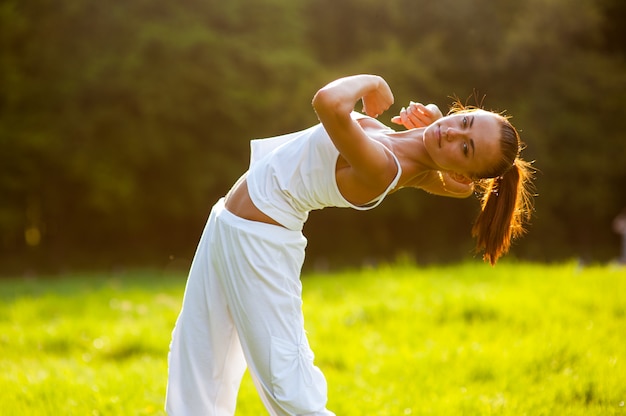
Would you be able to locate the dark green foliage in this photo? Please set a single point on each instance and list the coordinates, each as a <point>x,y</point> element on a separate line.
<point>121,123</point>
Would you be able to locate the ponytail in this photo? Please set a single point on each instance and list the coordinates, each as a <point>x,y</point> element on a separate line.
<point>505,208</point>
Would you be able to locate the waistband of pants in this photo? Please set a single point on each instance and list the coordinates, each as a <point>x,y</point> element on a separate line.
<point>264,230</point>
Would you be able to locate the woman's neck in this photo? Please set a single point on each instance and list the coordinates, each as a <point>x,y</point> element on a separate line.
<point>407,146</point>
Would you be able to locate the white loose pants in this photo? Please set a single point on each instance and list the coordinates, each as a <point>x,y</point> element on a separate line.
<point>243,304</point>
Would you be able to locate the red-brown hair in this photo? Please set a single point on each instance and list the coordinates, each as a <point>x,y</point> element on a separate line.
<point>505,192</point>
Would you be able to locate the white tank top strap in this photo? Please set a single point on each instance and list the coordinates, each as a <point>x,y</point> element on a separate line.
<point>378,200</point>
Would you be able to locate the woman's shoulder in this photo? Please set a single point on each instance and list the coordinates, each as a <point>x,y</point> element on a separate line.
<point>370,123</point>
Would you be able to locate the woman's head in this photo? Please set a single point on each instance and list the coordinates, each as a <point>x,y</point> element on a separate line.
<point>491,148</point>
<point>474,143</point>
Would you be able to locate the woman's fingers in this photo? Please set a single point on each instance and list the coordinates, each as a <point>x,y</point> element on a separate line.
<point>456,183</point>
<point>435,112</point>
<point>417,115</point>
<point>407,118</point>
<point>413,116</point>
<point>421,114</point>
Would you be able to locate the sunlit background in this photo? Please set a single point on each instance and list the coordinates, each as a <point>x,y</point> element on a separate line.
<point>121,123</point>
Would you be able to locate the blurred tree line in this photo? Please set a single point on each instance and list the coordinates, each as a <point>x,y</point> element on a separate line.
<point>121,123</point>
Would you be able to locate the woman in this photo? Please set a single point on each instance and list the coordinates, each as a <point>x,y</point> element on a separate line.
<point>242,304</point>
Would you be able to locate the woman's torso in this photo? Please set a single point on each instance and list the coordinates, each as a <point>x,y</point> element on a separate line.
<point>293,174</point>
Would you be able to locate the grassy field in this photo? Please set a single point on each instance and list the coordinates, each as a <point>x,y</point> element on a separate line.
<point>517,339</point>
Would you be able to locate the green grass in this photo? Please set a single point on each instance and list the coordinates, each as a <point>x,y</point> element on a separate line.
<point>517,339</point>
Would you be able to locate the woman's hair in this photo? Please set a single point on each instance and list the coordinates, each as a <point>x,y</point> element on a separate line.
<point>505,192</point>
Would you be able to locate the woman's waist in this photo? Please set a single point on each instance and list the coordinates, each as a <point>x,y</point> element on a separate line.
<point>239,203</point>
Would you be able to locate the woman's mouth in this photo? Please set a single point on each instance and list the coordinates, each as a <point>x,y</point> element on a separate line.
<point>439,136</point>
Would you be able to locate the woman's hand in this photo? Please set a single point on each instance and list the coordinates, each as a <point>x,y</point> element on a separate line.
<point>457,184</point>
<point>378,100</point>
<point>417,115</point>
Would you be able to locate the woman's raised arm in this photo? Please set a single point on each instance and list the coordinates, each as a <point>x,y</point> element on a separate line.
<point>335,102</point>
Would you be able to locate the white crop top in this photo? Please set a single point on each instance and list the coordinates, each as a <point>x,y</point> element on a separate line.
<point>291,175</point>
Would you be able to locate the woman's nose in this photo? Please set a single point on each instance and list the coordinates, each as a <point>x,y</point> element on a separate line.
<point>452,133</point>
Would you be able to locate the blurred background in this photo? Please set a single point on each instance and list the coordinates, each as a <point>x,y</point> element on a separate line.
<point>121,123</point>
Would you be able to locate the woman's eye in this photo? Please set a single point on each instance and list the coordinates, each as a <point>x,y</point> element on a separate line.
<point>465,149</point>
<point>464,121</point>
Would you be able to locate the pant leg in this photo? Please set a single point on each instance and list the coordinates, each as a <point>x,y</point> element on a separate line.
<point>259,267</point>
<point>206,362</point>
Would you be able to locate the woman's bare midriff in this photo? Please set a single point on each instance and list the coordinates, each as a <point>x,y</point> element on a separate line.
<point>238,202</point>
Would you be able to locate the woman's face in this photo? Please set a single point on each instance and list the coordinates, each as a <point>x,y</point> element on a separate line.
<point>465,143</point>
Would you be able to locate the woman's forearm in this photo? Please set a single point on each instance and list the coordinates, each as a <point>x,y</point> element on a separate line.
<point>339,97</point>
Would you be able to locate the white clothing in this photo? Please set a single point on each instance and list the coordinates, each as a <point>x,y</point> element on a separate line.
<point>243,300</point>
<point>293,174</point>
<point>243,303</point>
